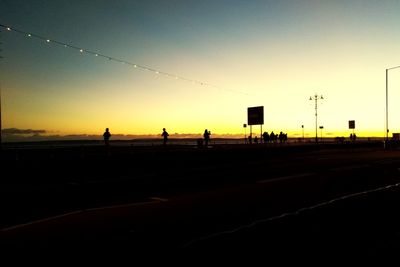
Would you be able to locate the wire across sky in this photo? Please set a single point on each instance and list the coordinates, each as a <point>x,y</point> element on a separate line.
<point>110,58</point>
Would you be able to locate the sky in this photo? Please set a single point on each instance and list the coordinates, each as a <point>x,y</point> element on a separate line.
<point>275,54</point>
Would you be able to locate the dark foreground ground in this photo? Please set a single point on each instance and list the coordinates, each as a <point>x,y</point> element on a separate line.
<point>271,202</point>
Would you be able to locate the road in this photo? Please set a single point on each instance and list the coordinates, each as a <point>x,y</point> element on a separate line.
<point>333,200</point>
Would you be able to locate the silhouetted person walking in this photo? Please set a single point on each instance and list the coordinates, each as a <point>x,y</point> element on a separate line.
<point>256,140</point>
<point>165,136</point>
<point>206,136</point>
<point>107,136</point>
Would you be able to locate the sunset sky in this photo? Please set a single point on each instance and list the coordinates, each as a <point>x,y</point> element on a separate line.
<point>274,54</point>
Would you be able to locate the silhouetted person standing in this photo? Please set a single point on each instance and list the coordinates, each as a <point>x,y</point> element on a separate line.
<point>206,136</point>
<point>165,136</point>
<point>107,136</point>
<point>272,137</point>
<point>265,137</point>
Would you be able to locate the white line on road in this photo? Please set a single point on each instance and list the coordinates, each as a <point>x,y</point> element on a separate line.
<point>155,200</point>
<point>159,199</point>
<point>287,214</point>
<point>285,178</point>
<point>124,205</point>
<point>40,221</point>
<point>346,168</point>
<point>386,161</point>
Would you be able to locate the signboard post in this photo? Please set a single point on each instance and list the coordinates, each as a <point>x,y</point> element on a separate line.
<point>352,125</point>
<point>255,116</point>
<point>245,135</point>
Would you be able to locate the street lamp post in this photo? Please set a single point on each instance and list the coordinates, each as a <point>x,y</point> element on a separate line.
<point>387,100</point>
<point>321,127</point>
<point>302,127</point>
<point>1,132</point>
<point>316,98</point>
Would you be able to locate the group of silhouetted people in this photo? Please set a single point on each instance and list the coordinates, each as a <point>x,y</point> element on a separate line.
<point>269,138</point>
<point>353,137</point>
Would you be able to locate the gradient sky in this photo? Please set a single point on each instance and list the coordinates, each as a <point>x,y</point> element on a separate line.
<point>274,54</point>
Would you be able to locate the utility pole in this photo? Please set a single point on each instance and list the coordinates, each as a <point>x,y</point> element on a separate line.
<point>316,98</point>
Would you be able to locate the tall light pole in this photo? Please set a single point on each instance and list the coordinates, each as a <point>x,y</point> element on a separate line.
<point>1,132</point>
<point>387,100</point>
<point>316,98</point>
<point>321,127</point>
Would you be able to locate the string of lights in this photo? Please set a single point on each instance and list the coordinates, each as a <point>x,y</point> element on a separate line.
<point>110,58</point>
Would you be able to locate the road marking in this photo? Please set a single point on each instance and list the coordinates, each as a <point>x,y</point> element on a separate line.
<point>287,214</point>
<point>346,168</point>
<point>40,221</point>
<point>159,199</point>
<point>285,178</point>
<point>155,200</point>
<point>386,161</point>
<point>125,205</point>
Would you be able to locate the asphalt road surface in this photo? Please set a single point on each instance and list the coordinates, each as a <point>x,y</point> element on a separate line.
<point>338,201</point>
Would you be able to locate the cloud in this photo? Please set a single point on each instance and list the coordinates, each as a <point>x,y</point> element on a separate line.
<point>21,131</point>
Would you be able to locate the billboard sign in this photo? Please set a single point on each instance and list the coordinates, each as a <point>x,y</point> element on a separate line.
<point>255,115</point>
<point>352,124</point>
